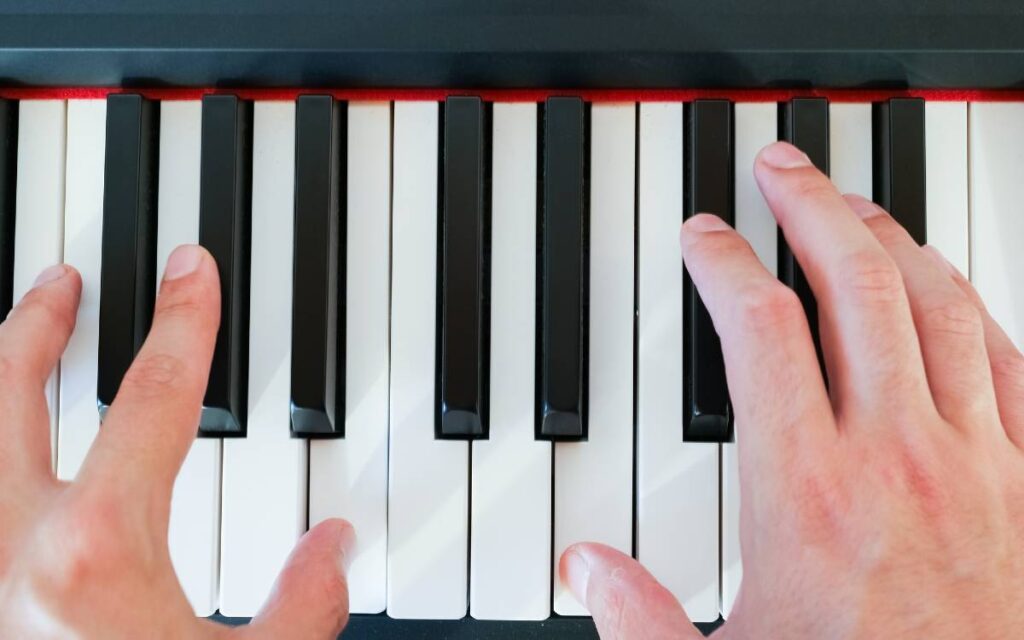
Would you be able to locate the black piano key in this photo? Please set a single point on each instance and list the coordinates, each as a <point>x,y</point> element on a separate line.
<point>562,272</point>
<point>803,122</point>
<point>707,414</point>
<point>899,167</point>
<point>462,332</point>
<point>318,284</point>
<point>225,178</point>
<point>8,190</point>
<point>128,259</point>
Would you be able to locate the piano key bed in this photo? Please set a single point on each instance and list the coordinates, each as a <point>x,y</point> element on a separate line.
<point>460,319</point>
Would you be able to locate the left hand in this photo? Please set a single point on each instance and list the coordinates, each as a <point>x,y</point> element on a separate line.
<point>89,559</point>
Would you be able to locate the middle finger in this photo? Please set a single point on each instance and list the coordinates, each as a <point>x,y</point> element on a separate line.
<point>875,366</point>
<point>949,327</point>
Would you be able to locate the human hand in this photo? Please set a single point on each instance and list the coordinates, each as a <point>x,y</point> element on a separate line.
<point>891,505</point>
<point>89,559</point>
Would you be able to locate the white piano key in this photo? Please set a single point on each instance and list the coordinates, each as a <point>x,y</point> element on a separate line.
<point>39,211</point>
<point>510,546</point>
<point>946,178</point>
<point>194,532</point>
<point>263,504</point>
<point>850,155</point>
<point>83,242</point>
<point>348,478</point>
<point>677,482</point>
<point>755,128</point>
<point>594,479</point>
<point>996,192</point>
<point>428,492</point>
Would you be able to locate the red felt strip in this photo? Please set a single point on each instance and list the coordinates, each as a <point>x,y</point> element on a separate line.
<point>527,95</point>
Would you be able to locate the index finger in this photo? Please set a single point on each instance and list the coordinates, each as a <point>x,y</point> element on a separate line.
<point>775,382</point>
<point>154,417</point>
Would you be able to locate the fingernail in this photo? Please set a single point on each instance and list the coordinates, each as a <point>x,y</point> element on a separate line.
<point>781,155</point>
<point>183,261</point>
<point>50,274</point>
<point>704,222</point>
<point>347,547</point>
<point>577,574</point>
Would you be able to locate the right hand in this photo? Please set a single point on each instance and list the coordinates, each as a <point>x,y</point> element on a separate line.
<point>891,505</point>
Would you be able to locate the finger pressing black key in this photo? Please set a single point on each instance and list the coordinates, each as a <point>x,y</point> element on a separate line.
<point>803,122</point>
<point>562,269</point>
<point>707,414</point>
<point>128,259</point>
<point>462,340</point>
<point>225,198</point>
<point>8,190</point>
<point>318,312</point>
<point>899,167</point>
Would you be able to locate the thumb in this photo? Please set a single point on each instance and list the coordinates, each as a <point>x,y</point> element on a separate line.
<point>310,597</point>
<point>623,597</point>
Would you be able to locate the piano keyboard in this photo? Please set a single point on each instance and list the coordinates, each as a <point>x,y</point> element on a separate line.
<point>463,325</point>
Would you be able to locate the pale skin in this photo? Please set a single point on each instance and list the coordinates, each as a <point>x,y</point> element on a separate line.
<point>891,505</point>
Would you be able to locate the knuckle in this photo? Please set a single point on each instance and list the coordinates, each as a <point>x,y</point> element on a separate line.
<point>179,303</point>
<point>767,307</point>
<point>1008,366</point>
<point>152,375</point>
<point>819,504</point>
<point>870,276</point>
<point>16,377</point>
<point>954,316</point>
<point>86,545</point>
<point>10,372</point>
<point>813,187</point>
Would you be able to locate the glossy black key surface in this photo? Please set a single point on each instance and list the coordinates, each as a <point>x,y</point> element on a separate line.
<point>225,198</point>
<point>803,122</point>
<point>318,285</point>
<point>8,191</point>
<point>899,175</point>
<point>562,272</point>
<point>462,328</point>
<point>128,260</point>
<point>707,413</point>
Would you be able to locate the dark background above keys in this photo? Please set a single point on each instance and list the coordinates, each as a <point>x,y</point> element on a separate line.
<point>513,43</point>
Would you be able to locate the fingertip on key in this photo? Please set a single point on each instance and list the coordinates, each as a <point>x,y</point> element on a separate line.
<point>50,274</point>
<point>692,228</point>
<point>575,572</point>
<point>183,261</point>
<point>782,155</point>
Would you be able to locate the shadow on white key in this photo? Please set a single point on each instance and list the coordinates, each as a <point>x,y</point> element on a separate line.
<point>83,244</point>
<point>997,226</point>
<point>428,490</point>
<point>263,507</point>
<point>756,127</point>
<point>850,152</point>
<point>348,477</point>
<point>194,531</point>
<point>510,546</point>
<point>677,482</point>
<point>594,479</point>
<point>39,210</point>
<point>945,128</point>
